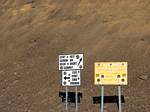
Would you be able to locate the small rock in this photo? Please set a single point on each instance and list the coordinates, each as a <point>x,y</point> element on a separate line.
<point>3,89</point>
<point>143,77</point>
<point>30,1</point>
<point>142,39</point>
<point>15,63</point>
<point>1,71</point>
<point>15,73</point>
<point>9,102</point>
<point>126,97</point>
<point>105,107</point>
<point>105,110</point>
<point>15,81</point>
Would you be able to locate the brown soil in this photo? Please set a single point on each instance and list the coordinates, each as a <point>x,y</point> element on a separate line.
<point>33,34</point>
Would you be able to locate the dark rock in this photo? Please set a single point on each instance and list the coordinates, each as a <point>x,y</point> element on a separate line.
<point>30,1</point>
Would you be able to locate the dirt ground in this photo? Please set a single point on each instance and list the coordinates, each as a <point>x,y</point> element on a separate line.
<point>34,32</point>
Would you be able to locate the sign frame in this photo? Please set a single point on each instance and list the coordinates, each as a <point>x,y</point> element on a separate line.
<point>70,62</point>
<point>74,79</point>
<point>109,73</point>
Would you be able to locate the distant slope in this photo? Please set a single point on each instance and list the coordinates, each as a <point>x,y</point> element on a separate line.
<point>32,35</point>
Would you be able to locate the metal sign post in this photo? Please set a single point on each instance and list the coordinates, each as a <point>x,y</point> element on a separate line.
<point>111,73</point>
<point>66,99</point>
<point>119,98</point>
<point>76,89</point>
<point>70,65</point>
<point>102,98</point>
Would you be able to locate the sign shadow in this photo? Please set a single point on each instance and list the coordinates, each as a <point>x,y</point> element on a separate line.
<point>71,97</point>
<point>108,99</point>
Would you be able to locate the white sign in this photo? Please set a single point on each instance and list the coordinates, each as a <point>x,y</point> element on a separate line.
<point>71,62</point>
<point>71,78</point>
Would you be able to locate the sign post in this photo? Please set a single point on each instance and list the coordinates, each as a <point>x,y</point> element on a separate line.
<point>102,98</point>
<point>119,98</point>
<point>110,73</point>
<point>76,89</point>
<point>66,99</point>
<point>70,66</point>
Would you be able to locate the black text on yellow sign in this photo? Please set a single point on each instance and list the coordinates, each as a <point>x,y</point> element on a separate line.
<point>110,73</point>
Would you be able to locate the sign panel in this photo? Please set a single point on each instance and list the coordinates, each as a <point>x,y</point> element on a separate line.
<point>110,73</point>
<point>71,78</point>
<point>71,62</point>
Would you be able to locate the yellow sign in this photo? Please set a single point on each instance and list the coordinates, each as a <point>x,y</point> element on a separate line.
<point>111,73</point>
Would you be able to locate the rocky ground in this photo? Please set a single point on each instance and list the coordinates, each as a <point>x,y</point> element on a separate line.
<point>34,32</point>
